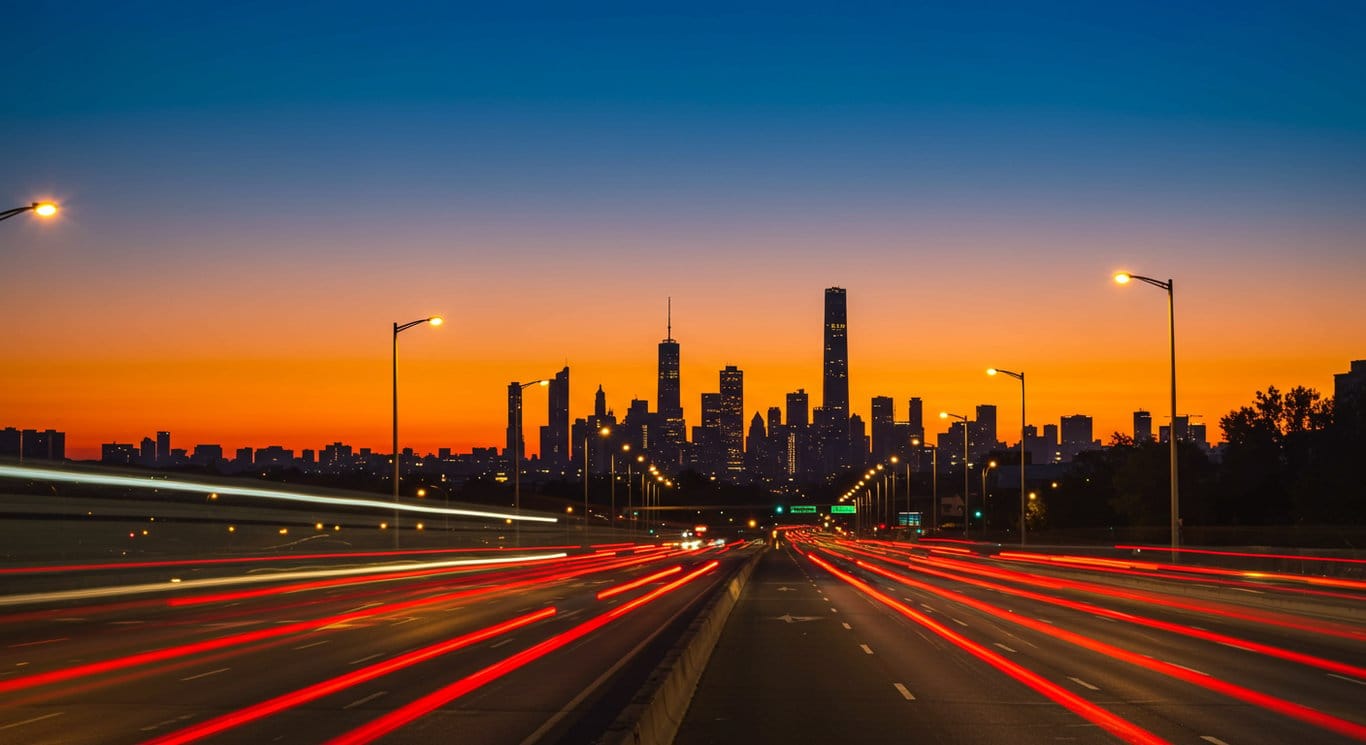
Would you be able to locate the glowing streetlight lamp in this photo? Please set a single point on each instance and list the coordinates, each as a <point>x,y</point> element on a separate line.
<point>1020,376</point>
<point>398,329</point>
<point>41,209</point>
<point>1124,278</point>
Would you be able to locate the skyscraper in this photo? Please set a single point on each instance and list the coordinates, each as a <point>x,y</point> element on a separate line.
<point>732,417</point>
<point>833,424</point>
<point>883,419</point>
<point>555,434</point>
<point>669,402</point>
<point>514,445</point>
<point>163,455</point>
<point>835,394</point>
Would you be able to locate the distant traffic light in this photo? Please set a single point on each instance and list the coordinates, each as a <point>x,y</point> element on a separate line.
<point>778,509</point>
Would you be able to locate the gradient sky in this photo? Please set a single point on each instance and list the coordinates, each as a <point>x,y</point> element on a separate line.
<point>254,192</point>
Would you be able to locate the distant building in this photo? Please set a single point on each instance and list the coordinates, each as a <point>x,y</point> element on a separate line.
<point>555,434</point>
<point>732,417</point>
<point>833,422</point>
<point>915,417</point>
<point>1143,426</point>
<point>883,421</point>
<point>669,402</point>
<point>1077,435</point>
<point>33,444</point>
<point>207,455</point>
<point>149,452</point>
<point>115,453</point>
<point>163,451</point>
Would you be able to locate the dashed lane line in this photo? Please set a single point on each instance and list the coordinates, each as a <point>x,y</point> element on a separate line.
<point>366,659</point>
<point>1212,740</point>
<point>1083,683</point>
<point>205,675</point>
<point>866,649</point>
<point>31,721</point>
<point>847,627</point>
<point>1349,680</point>
<point>366,700</point>
<point>314,644</point>
<point>906,694</point>
<point>1008,649</point>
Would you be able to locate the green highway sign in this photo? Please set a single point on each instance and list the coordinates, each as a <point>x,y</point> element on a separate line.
<point>842,509</point>
<point>803,509</point>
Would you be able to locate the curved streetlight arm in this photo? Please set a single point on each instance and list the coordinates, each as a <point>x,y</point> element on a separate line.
<point>398,327</point>
<point>1167,285</point>
<point>7,214</point>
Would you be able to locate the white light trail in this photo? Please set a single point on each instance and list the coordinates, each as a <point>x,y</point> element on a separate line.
<point>251,579</point>
<point>147,482</point>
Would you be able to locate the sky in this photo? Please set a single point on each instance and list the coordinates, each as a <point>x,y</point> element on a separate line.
<point>253,193</point>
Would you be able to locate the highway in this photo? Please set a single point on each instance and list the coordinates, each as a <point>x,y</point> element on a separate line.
<point>836,640</point>
<point>399,647</point>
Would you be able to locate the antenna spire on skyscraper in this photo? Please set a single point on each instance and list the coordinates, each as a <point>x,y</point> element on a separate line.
<point>669,320</point>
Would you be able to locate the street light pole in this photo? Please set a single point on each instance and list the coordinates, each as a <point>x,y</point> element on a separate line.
<point>990,465</point>
<point>1124,278</point>
<point>587,438</point>
<point>1020,376</point>
<point>398,329</point>
<point>964,420</point>
<point>517,462</point>
<point>41,209</point>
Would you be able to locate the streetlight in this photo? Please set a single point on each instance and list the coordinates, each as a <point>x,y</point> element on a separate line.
<point>964,420</point>
<point>587,438</point>
<point>517,461</point>
<point>1124,278</point>
<point>41,209</point>
<point>985,471</point>
<point>446,492</point>
<point>934,482</point>
<point>630,485</point>
<point>612,488</point>
<point>398,329</point>
<point>1020,377</point>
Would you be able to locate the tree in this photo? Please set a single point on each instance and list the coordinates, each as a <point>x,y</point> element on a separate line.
<point>1271,452</point>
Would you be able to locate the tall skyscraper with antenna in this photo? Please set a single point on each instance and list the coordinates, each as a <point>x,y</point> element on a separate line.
<point>669,401</point>
<point>833,426</point>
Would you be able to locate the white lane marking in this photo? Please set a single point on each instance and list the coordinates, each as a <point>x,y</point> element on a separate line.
<point>847,626</point>
<point>361,607</point>
<point>826,599</point>
<point>1349,680</point>
<point>205,675</point>
<point>1254,592</point>
<point>1045,620</point>
<point>68,619</point>
<point>1083,683</point>
<point>1105,618</point>
<point>366,700</point>
<point>1235,646</point>
<point>366,659</point>
<point>45,641</point>
<point>31,721</point>
<point>832,610</point>
<point>866,649</point>
<point>164,722</point>
<point>1002,646</point>
<point>960,623</point>
<point>927,608</point>
<point>904,693</point>
<point>499,644</point>
<point>314,644</point>
<point>1191,669</point>
<point>125,623</point>
<point>409,619</point>
<point>1212,740</point>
